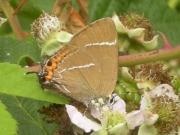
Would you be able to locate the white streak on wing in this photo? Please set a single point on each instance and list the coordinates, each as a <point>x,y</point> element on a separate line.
<point>63,87</point>
<point>62,71</point>
<point>84,66</point>
<point>67,69</point>
<point>74,67</point>
<point>95,43</point>
<point>59,78</point>
<point>102,43</point>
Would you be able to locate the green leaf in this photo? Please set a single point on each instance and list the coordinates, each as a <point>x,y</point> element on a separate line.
<point>15,82</point>
<point>13,51</point>
<point>8,125</point>
<point>162,17</point>
<point>105,8</point>
<point>24,110</point>
<point>45,5</point>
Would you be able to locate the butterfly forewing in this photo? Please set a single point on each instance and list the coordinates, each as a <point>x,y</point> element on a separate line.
<point>90,69</point>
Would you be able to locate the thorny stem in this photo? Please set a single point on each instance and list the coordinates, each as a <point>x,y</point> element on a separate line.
<point>152,56</point>
<point>12,18</point>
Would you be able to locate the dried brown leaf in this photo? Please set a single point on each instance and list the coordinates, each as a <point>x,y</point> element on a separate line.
<point>83,10</point>
<point>59,5</point>
<point>75,22</point>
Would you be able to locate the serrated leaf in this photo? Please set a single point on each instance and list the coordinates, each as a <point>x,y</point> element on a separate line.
<point>25,111</point>
<point>8,125</point>
<point>15,82</point>
<point>12,50</point>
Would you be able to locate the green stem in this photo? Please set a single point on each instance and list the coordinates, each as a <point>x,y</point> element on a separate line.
<point>12,18</point>
<point>142,58</point>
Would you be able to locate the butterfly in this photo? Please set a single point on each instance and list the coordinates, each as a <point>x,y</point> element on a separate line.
<point>86,68</point>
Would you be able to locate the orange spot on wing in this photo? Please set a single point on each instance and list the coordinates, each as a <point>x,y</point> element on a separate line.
<point>47,78</point>
<point>54,61</point>
<point>50,73</point>
<point>54,65</point>
<point>48,68</point>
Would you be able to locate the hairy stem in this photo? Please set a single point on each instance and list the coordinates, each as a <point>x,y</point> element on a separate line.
<point>152,56</point>
<point>12,18</point>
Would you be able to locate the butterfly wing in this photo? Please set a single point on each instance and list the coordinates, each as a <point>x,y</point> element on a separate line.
<point>90,69</point>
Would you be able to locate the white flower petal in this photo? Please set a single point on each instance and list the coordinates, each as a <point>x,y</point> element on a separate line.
<point>96,114</point>
<point>163,90</point>
<point>143,103</point>
<point>80,120</point>
<point>119,104</point>
<point>135,119</point>
<point>146,103</point>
